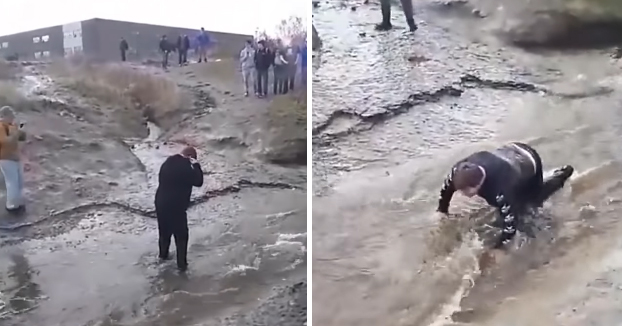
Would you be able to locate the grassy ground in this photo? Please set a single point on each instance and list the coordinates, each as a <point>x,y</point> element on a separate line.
<point>139,93</point>
<point>288,121</point>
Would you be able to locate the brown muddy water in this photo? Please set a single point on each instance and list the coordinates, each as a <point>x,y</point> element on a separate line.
<point>85,254</point>
<point>386,131</point>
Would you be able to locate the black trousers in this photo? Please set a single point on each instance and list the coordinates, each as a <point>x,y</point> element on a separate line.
<point>262,81</point>
<point>280,79</point>
<point>123,56</point>
<point>165,59</point>
<point>291,76</point>
<point>183,56</point>
<point>173,223</point>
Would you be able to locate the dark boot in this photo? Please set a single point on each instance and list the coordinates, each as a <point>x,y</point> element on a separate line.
<point>411,25</point>
<point>385,7</point>
<point>554,183</point>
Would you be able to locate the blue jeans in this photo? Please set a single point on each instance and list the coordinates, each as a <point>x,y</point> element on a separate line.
<point>14,180</point>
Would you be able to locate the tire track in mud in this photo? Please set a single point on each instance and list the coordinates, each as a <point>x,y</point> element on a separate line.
<point>366,121</point>
<point>225,191</point>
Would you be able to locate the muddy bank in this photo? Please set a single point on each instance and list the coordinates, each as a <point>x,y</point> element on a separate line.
<point>388,127</point>
<point>91,172</point>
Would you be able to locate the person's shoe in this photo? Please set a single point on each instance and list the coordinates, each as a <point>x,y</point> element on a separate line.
<point>384,26</point>
<point>16,210</point>
<point>246,94</point>
<point>411,25</point>
<point>182,268</point>
<point>564,172</point>
<point>164,257</point>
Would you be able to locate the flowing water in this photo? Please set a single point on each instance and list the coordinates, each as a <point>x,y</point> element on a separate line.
<point>392,112</point>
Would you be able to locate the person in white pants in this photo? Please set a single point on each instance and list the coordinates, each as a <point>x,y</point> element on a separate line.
<point>247,65</point>
<point>10,165</point>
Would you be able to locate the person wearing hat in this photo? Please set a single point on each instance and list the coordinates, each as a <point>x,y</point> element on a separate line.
<point>10,136</point>
<point>178,175</point>
<point>509,178</point>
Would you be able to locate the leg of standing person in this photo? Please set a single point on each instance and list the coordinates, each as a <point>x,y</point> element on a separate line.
<point>255,78</point>
<point>264,81</point>
<point>165,232</point>
<point>185,56</point>
<point>292,77</point>
<point>180,232</point>
<point>407,6</point>
<point>303,76</point>
<point>123,56</point>
<point>258,86</point>
<point>385,8</point>
<point>284,80</point>
<point>246,76</point>
<point>180,56</point>
<point>21,201</point>
<point>11,172</point>
<point>275,79</point>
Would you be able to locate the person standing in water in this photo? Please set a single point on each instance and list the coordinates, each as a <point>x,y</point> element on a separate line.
<point>178,175</point>
<point>509,178</point>
<point>385,7</point>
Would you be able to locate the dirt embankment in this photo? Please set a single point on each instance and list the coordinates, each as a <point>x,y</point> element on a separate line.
<point>91,153</point>
<point>550,24</point>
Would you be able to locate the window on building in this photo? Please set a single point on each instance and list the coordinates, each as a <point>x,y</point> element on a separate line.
<point>45,38</point>
<point>68,51</point>
<point>36,39</point>
<point>38,55</point>
<point>46,53</point>
<point>4,45</point>
<point>77,33</point>
<point>77,49</point>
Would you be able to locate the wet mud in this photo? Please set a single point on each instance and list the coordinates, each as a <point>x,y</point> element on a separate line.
<point>84,253</point>
<point>383,145</point>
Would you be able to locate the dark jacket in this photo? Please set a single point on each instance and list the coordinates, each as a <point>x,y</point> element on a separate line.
<point>183,43</point>
<point>166,46</point>
<point>263,59</point>
<point>123,46</point>
<point>176,178</point>
<point>508,169</point>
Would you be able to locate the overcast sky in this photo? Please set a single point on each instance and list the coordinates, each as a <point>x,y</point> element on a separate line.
<point>235,16</point>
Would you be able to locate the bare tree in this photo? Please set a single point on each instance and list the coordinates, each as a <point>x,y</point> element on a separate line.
<point>289,31</point>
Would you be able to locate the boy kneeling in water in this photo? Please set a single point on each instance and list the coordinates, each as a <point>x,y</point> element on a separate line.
<point>508,178</point>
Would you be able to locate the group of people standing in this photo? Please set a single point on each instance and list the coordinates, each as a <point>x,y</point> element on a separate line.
<point>182,46</point>
<point>257,59</point>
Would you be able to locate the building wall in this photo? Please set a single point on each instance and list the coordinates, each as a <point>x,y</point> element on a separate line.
<point>144,39</point>
<point>99,38</point>
<point>33,44</point>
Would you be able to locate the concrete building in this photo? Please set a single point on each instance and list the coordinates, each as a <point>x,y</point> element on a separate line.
<point>99,39</point>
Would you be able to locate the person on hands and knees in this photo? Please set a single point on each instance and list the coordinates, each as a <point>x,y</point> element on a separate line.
<point>178,175</point>
<point>509,178</point>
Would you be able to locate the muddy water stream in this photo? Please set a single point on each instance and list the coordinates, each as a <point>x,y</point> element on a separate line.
<point>387,129</point>
<point>94,262</point>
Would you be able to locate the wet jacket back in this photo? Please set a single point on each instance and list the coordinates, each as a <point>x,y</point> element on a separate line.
<point>176,178</point>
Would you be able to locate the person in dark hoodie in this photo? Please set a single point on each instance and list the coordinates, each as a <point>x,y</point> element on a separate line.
<point>123,47</point>
<point>183,45</point>
<point>178,174</point>
<point>385,7</point>
<point>263,61</point>
<point>509,178</point>
<point>165,48</point>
